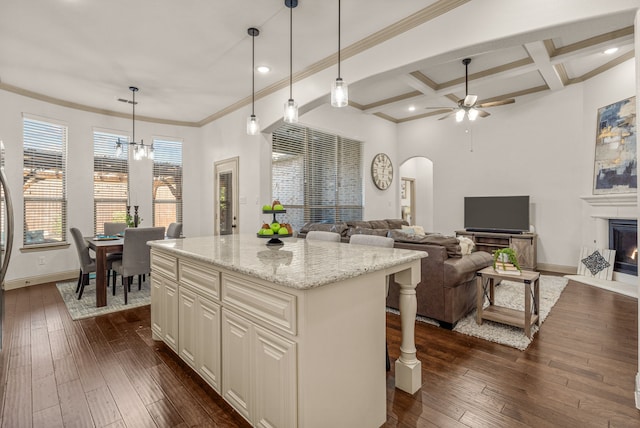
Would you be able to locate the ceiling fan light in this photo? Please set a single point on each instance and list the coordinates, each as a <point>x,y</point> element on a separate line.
<point>339,93</point>
<point>253,125</point>
<point>459,115</point>
<point>291,111</point>
<point>473,114</point>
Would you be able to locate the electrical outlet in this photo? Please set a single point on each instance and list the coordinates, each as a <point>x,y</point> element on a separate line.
<point>41,260</point>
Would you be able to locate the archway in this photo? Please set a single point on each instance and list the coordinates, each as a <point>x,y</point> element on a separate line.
<point>416,195</point>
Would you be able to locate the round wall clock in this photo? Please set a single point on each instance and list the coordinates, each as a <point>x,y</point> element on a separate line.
<point>382,171</point>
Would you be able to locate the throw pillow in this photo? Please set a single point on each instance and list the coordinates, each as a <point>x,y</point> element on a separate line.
<point>595,262</point>
<point>466,245</point>
<point>413,230</point>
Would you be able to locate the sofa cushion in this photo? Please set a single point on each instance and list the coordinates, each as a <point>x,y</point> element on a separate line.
<point>379,224</point>
<point>449,242</point>
<point>368,231</point>
<point>340,228</point>
<point>395,223</point>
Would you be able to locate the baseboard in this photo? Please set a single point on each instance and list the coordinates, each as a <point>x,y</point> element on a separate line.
<point>40,279</point>
<point>548,267</point>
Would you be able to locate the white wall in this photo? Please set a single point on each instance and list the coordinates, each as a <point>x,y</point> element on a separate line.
<point>80,175</point>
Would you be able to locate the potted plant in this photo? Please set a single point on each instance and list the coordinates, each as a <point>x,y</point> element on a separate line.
<point>506,261</point>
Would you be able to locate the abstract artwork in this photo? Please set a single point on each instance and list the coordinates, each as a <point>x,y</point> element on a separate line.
<point>615,158</point>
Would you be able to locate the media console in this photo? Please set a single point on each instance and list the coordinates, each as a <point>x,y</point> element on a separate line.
<point>524,244</point>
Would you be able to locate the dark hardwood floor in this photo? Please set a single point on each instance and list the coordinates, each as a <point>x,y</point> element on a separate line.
<point>107,371</point>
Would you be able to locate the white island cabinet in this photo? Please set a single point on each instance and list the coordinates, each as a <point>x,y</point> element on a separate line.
<point>291,336</point>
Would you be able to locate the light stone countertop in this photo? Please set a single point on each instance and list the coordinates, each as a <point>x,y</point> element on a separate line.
<point>299,263</point>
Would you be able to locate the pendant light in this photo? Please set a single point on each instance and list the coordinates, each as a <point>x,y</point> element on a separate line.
<point>339,88</point>
<point>291,107</point>
<point>253,123</point>
<point>140,150</point>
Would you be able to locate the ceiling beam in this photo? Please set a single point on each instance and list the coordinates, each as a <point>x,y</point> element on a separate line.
<point>538,52</point>
<point>588,46</point>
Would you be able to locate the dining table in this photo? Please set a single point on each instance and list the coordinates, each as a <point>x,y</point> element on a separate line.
<point>102,247</point>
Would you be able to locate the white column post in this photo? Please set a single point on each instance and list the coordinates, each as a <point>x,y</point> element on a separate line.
<point>408,368</point>
<point>637,57</point>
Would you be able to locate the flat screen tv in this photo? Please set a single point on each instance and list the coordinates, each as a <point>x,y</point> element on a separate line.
<point>500,214</point>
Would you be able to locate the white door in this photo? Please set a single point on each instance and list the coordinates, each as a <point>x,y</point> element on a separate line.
<point>226,197</point>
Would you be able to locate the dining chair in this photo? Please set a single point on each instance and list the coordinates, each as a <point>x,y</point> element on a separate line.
<point>136,256</point>
<point>376,241</point>
<point>174,230</point>
<point>319,235</point>
<point>87,263</point>
<point>114,228</point>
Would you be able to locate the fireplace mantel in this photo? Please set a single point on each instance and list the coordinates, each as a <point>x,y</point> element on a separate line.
<point>612,200</point>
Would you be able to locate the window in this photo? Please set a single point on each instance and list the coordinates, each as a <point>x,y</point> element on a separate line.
<point>317,176</point>
<point>167,182</point>
<point>44,182</point>
<point>110,180</point>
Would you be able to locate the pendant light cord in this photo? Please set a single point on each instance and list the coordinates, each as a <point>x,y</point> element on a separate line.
<point>134,116</point>
<point>338,39</point>
<point>291,52</point>
<point>253,73</point>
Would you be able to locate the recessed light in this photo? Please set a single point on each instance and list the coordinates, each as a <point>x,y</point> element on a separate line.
<point>263,69</point>
<point>412,108</point>
<point>611,51</point>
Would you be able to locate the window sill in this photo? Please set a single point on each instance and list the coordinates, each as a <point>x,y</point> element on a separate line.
<point>45,247</point>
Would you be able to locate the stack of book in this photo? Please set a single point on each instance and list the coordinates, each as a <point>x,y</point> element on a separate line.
<point>506,268</point>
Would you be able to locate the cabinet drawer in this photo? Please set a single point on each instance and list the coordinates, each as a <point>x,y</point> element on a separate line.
<point>164,264</point>
<point>271,306</point>
<point>202,278</point>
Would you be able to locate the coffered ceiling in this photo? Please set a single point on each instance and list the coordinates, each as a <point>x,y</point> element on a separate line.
<point>192,60</point>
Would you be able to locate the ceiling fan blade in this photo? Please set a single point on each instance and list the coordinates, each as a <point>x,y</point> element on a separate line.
<point>453,113</point>
<point>483,113</point>
<point>469,100</point>
<point>497,103</point>
<point>441,108</point>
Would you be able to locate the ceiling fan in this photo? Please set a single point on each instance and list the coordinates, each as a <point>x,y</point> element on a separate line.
<point>467,106</point>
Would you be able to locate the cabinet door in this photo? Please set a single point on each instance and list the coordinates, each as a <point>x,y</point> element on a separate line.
<point>187,326</point>
<point>208,341</point>
<point>274,380</point>
<point>236,362</point>
<point>170,314</point>
<point>525,249</point>
<point>157,291</point>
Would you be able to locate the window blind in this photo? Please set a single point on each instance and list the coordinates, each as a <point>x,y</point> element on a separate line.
<point>316,175</point>
<point>167,182</point>
<point>44,182</point>
<point>110,180</point>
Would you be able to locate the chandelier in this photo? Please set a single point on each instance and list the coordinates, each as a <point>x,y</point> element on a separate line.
<point>140,150</point>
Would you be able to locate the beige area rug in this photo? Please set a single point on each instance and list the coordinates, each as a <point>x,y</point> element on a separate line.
<point>511,295</point>
<point>86,307</point>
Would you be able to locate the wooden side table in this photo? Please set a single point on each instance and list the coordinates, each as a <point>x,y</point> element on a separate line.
<point>486,280</point>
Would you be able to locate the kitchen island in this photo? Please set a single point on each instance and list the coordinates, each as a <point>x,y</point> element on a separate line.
<point>291,336</point>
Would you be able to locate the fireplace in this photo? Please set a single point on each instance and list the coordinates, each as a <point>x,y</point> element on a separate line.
<point>623,237</point>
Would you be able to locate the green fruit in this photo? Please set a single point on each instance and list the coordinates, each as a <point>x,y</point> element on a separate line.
<point>267,232</point>
<point>261,232</point>
<point>283,231</point>
<point>266,208</point>
<point>278,207</point>
<point>275,226</point>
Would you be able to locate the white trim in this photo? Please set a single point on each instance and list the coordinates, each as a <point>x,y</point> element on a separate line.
<point>41,279</point>
<point>612,200</point>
